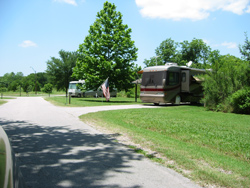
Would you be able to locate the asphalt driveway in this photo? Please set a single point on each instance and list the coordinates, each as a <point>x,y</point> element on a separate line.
<point>56,149</point>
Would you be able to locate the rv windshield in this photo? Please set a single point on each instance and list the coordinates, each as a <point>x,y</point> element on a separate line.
<point>72,86</point>
<point>152,78</point>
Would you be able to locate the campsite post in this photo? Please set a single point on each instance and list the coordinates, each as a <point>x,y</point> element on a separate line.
<point>136,92</point>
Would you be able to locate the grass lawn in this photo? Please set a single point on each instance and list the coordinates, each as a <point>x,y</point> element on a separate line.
<point>209,147</point>
<point>2,101</point>
<point>82,102</point>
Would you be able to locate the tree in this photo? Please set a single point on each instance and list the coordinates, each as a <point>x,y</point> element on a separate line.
<point>245,49</point>
<point>60,71</point>
<point>42,78</point>
<point>214,57</point>
<point>228,75</point>
<point>181,53</point>
<point>11,80</point>
<point>107,51</point>
<point>196,51</point>
<point>26,82</point>
<point>48,88</point>
<point>152,62</point>
<point>167,51</point>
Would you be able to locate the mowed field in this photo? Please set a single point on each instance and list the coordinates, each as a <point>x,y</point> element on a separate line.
<point>211,148</point>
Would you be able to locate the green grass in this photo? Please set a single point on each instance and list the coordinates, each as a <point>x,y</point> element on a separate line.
<point>2,101</point>
<point>208,147</point>
<point>82,102</point>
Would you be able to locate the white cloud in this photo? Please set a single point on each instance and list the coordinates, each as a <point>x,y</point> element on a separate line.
<point>230,45</point>
<point>190,9</point>
<point>248,9</point>
<point>27,43</point>
<point>71,2</point>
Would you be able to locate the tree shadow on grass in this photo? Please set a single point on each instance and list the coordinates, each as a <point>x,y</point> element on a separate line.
<point>61,157</point>
<point>177,105</point>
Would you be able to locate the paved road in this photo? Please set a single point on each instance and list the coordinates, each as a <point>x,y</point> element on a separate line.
<point>56,149</point>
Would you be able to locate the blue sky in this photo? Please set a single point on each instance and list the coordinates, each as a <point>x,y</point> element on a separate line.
<point>32,31</point>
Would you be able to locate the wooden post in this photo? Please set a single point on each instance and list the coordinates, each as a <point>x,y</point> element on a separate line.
<point>136,92</point>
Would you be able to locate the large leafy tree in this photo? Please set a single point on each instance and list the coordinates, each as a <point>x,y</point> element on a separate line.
<point>60,71</point>
<point>166,52</point>
<point>245,49</point>
<point>107,51</point>
<point>196,51</point>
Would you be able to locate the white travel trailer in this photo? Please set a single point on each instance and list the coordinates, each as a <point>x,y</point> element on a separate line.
<point>171,83</point>
<point>74,90</point>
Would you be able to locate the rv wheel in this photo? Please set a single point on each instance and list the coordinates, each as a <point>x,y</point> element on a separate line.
<point>177,100</point>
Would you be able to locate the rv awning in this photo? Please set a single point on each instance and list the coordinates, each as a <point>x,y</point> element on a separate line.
<point>199,80</point>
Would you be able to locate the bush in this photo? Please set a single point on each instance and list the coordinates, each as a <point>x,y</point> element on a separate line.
<point>131,92</point>
<point>47,88</point>
<point>228,75</point>
<point>241,101</point>
<point>225,106</point>
<point>3,89</point>
<point>121,94</point>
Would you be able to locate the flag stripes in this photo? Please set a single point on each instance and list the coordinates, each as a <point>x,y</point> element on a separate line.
<point>105,89</point>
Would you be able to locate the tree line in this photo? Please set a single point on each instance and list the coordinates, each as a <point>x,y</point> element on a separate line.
<point>197,51</point>
<point>16,81</point>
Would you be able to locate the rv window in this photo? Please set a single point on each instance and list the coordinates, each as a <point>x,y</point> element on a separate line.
<point>72,86</point>
<point>172,78</point>
<point>183,76</point>
<point>152,78</point>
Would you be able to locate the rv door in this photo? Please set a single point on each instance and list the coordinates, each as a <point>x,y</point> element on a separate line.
<point>185,81</point>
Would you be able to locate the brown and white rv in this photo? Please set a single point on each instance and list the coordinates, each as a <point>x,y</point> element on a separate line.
<point>171,83</point>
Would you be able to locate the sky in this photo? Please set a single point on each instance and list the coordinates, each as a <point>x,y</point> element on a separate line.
<point>33,31</point>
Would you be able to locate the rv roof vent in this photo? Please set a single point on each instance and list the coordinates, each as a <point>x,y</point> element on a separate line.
<point>171,64</point>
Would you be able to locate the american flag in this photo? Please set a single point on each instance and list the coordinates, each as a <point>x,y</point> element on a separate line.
<point>105,89</point>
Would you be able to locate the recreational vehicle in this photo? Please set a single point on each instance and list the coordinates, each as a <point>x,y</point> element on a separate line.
<point>171,83</point>
<point>74,90</point>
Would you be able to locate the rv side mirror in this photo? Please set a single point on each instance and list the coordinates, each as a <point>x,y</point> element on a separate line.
<point>163,82</point>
